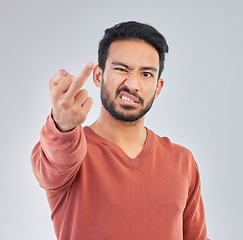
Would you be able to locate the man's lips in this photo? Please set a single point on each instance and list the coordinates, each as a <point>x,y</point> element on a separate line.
<point>128,97</point>
<point>125,94</point>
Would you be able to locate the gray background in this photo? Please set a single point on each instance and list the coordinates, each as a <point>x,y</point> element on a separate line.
<point>200,105</point>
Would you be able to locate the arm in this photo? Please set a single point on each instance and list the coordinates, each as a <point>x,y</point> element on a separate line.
<point>62,146</point>
<point>57,157</point>
<point>194,225</point>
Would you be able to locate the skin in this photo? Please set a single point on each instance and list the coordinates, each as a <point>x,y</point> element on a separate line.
<point>131,65</point>
<point>70,104</point>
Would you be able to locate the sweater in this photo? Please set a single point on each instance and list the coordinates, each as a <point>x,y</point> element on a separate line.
<point>96,192</point>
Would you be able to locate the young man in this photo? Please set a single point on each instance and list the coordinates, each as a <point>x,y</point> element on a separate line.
<point>116,179</point>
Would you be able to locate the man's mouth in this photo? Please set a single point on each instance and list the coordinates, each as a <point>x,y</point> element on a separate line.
<point>125,96</point>
<point>128,97</point>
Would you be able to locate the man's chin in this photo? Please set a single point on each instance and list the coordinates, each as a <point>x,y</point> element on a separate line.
<point>126,117</point>
<point>127,107</point>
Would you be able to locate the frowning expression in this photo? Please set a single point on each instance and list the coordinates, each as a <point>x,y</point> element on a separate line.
<point>130,80</point>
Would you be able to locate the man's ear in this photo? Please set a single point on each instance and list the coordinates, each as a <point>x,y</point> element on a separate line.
<point>159,86</point>
<point>97,76</point>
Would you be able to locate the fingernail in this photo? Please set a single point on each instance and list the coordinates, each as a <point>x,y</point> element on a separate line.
<point>91,65</point>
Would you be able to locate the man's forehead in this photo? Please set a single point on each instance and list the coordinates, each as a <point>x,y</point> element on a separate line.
<point>121,45</point>
<point>134,54</point>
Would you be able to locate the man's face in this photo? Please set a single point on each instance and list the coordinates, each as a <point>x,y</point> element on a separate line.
<point>130,80</point>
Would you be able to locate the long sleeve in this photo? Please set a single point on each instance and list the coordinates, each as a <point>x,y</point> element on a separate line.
<point>57,157</point>
<point>194,225</point>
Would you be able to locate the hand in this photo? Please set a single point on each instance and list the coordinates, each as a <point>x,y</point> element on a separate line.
<point>70,104</point>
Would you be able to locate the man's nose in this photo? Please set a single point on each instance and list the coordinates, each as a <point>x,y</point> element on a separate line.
<point>132,81</point>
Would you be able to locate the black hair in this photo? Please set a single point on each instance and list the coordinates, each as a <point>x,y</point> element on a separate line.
<point>132,30</point>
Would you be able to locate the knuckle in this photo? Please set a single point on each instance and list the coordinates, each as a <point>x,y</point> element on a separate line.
<point>72,77</point>
<point>54,94</point>
<point>52,81</point>
<point>75,84</point>
<point>71,80</point>
<point>84,92</point>
<point>62,72</point>
<point>64,104</point>
<point>82,115</point>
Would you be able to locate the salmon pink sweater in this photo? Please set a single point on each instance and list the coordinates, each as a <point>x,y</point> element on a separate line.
<point>96,192</point>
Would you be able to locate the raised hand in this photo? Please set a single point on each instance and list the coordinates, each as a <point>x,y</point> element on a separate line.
<point>71,104</point>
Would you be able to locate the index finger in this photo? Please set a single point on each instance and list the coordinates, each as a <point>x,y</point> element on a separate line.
<point>80,80</point>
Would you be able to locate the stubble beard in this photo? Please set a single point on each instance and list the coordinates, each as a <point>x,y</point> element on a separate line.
<point>126,115</point>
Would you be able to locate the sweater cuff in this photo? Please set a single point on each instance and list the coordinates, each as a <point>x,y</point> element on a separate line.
<point>50,128</point>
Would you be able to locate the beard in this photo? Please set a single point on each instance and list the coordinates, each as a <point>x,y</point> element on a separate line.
<point>127,115</point>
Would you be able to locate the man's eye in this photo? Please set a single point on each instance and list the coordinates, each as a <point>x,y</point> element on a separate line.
<point>147,74</point>
<point>120,69</point>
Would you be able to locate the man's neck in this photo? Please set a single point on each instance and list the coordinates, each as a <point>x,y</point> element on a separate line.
<point>130,136</point>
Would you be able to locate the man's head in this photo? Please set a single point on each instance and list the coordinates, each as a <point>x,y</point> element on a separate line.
<point>131,59</point>
<point>133,31</point>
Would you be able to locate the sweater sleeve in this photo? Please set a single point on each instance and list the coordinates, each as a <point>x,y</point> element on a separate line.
<point>194,225</point>
<point>57,157</point>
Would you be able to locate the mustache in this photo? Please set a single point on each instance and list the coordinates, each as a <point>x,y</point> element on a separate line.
<point>125,89</point>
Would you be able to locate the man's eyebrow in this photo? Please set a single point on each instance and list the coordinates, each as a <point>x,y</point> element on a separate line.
<point>117,63</point>
<point>120,64</point>
<point>149,68</point>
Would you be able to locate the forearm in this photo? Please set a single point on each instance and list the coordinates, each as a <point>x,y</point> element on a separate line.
<point>57,157</point>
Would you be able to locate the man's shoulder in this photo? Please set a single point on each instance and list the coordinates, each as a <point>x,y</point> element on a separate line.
<point>174,148</point>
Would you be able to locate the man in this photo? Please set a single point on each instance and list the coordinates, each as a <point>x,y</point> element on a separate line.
<point>117,179</point>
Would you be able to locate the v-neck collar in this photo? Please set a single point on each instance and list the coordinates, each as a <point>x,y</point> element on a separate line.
<point>136,162</point>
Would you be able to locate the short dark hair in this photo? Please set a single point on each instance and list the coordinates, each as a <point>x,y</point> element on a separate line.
<point>133,31</point>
